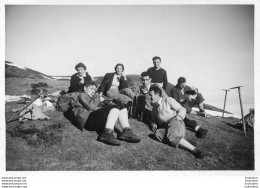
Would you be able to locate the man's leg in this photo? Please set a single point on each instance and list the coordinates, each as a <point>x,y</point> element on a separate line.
<point>114,94</point>
<point>128,92</point>
<point>192,125</point>
<point>107,136</point>
<point>199,101</point>
<point>127,134</point>
<point>175,136</point>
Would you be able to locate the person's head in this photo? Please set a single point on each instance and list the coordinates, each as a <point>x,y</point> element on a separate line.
<point>81,69</point>
<point>155,94</point>
<point>119,68</point>
<point>157,62</point>
<point>90,88</point>
<point>181,82</point>
<point>146,79</point>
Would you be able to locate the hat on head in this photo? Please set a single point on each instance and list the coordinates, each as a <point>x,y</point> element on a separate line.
<point>181,80</point>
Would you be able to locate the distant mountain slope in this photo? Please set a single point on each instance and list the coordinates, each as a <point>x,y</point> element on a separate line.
<point>15,70</point>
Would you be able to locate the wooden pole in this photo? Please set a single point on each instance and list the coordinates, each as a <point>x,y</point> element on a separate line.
<point>16,116</point>
<point>242,112</point>
<point>224,102</point>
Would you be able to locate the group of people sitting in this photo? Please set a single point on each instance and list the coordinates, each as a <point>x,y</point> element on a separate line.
<point>99,108</point>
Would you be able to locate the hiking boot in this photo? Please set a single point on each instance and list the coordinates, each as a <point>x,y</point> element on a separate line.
<point>198,153</point>
<point>108,137</point>
<point>128,136</point>
<point>201,133</point>
<point>202,113</point>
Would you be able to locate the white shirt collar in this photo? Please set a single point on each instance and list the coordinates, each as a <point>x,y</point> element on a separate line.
<point>160,101</point>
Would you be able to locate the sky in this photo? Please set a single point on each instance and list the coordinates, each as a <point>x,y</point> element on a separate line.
<point>212,46</point>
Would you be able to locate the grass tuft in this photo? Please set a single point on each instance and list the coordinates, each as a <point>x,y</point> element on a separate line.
<point>47,136</point>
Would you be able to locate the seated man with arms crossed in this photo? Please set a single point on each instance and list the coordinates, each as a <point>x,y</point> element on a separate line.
<point>170,128</point>
<point>189,97</point>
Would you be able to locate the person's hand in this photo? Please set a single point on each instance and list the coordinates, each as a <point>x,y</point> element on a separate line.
<point>123,74</point>
<point>101,98</point>
<point>81,80</point>
<point>182,100</point>
<point>154,127</point>
<point>178,117</point>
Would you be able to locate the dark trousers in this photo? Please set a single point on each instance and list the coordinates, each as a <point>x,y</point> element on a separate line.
<point>97,119</point>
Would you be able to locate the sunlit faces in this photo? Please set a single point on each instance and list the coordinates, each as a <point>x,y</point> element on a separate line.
<point>81,71</point>
<point>90,90</point>
<point>155,98</point>
<point>146,80</point>
<point>157,63</point>
<point>119,70</point>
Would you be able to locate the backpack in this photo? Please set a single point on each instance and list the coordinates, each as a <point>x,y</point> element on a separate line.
<point>66,102</point>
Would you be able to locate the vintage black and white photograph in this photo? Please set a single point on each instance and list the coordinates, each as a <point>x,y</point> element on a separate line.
<point>113,87</point>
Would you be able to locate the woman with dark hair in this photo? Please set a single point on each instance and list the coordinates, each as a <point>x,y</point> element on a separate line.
<point>114,85</point>
<point>78,79</point>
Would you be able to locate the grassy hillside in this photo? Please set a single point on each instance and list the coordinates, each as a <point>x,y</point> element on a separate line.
<point>58,145</point>
<point>15,72</point>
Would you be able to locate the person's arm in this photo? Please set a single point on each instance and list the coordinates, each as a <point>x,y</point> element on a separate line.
<point>165,80</point>
<point>181,112</point>
<point>175,95</point>
<point>123,83</point>
<point>103,84</point>
<point>152,124</point>
<point>74,84</point>
<point>89,103</point>
<point>87,78</point>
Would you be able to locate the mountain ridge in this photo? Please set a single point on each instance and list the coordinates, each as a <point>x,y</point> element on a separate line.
<point>14,70</point>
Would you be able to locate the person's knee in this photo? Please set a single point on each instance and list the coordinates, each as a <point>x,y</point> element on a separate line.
<point>174,141</point>
<point>114,111</point>
<point>124,110</point>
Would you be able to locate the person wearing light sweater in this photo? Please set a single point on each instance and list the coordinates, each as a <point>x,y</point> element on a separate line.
<point>170,127</point>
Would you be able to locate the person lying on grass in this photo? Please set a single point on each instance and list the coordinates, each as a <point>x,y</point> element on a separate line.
<point>78,79</point>
<point>89,115</point>
<point>144,107</point>
<point>170,127</point>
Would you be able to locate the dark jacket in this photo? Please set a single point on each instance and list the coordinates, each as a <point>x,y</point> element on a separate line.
<point>177,94</point>
<point>107,83</point>
<point>83,106</point>
<point>75,84</point>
